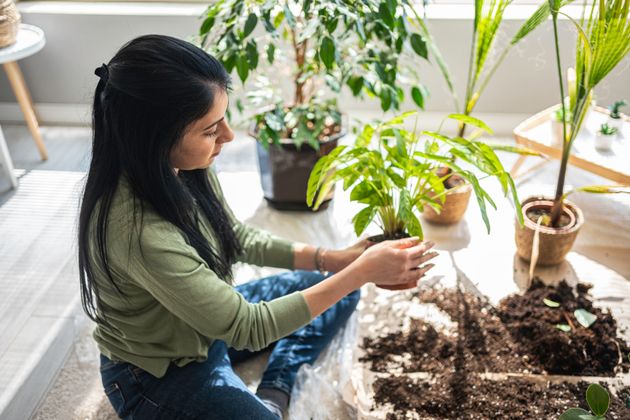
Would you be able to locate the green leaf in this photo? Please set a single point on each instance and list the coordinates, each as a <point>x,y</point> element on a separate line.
<point>576,414</point>
<point>467,119</point>
<point>563,327</point>
<point>355,83</point>
<point>419,45</point>
<point>252,54</point>
<point>584,317</point>
<point>385,15</point>
<point>242,67</point>
<point>206,25</point>
<point>364,139</point>
<point>250,24</point>
<point>418,98</point>
<point>271,50</point>
<point>327,52</point>
<point>386,99</point>
<point>521,150</point>
<point>597,399</point>
<point>362,219</point>
<point>551,303</point>
<point>315,179</point>
<point>362,191</point>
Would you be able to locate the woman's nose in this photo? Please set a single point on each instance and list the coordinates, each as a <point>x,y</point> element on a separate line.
<point>228,134</point>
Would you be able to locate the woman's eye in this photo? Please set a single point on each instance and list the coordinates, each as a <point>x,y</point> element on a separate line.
<point>214,133</point>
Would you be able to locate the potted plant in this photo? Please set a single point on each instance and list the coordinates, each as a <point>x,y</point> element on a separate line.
<point>603,41</point>
<point>604,137</point>
<point>615,118</point>
<point>487,23</point>
<point>394,173</point>
<point>326,45</point>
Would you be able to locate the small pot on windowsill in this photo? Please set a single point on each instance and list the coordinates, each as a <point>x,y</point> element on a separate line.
<point>285,169</point>
<point>554,243</point>
<point>616,123</point>
<point>380,238</point>
<point>455,201</point>
<point>605,137</point>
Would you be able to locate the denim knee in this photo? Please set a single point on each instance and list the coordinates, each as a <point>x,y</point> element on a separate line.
<point>354,297</point>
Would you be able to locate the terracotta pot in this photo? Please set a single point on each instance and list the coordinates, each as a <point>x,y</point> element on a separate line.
<point>554,243</point>
<point>285,169</point>
<point>454,206</point>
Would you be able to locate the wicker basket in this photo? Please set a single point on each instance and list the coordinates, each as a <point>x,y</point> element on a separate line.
<point>453,209</point>
<point>9,23</point>
<point>554,244</point>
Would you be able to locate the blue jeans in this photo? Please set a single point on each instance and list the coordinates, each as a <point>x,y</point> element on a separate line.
<point>211,390</point>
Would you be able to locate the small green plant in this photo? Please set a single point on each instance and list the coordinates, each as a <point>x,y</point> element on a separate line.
<point>598,401</point>
<point>563,112</point>
<point>326,44</point>
<point>607,130</point>
<point>614,109</point>
<point>394,173</point>
<point>583,317</point>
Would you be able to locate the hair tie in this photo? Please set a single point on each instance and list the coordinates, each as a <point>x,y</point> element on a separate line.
<point>102,72</point>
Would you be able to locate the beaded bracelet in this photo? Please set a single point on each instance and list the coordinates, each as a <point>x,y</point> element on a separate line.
<point>319,259</point>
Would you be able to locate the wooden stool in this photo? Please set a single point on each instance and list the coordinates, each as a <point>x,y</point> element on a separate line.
<point>30,39</point>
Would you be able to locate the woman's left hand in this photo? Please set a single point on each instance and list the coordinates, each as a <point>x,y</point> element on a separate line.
<point>337,260</point>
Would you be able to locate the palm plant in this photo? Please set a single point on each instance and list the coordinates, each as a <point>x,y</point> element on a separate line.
<point>603,41</point>
<point>486,27</point>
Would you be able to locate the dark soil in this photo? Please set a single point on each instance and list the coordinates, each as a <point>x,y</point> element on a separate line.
<point>520,336</point>
<point>380,238</point>
<point>582,351</point>
<point>482,343</point>
<point>534,214</point>
<point>452,181</point>
<point>514,398</point>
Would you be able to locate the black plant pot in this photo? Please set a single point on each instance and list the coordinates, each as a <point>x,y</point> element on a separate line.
<point>285,169</point>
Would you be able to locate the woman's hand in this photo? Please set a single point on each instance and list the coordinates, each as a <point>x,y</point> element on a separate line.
<point>337,260</point>
<point>394,264</point>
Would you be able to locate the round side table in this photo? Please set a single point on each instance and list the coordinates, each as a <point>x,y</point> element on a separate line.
<point>30,39</point>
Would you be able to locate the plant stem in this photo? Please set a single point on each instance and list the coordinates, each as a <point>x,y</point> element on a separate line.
<point>556,212</point>
<point>299,49</point>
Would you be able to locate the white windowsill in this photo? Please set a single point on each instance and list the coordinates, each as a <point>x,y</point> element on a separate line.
<point>435,11</point>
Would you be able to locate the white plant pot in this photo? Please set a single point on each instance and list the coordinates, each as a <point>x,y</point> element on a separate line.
<point>604,142</point>
<point>616,122</point>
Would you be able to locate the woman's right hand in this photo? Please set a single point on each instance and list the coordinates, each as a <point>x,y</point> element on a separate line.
<point>395,264</point>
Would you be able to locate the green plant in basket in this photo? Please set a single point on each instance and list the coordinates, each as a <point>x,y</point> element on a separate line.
<point>394,173</point>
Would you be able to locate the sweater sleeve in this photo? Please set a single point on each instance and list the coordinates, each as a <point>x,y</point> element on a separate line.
<point>181,281</point>
<point>259,247</point>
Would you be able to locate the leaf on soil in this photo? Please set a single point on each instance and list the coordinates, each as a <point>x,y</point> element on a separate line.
<point>584,317</point>
<point>551,303</point>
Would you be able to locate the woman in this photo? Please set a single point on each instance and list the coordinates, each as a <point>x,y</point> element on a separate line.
<point>157,242</point>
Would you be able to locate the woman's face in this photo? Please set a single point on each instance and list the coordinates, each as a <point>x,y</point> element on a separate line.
<point>204,138</point>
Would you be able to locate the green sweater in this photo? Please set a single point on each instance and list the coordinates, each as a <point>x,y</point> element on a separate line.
<point>174,306</point>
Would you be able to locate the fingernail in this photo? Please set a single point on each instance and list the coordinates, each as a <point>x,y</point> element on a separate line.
<point>430,243</point>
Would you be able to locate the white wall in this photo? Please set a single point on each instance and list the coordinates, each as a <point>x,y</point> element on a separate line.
<point>82,36</point>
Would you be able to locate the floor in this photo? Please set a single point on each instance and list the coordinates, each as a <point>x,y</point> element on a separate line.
<point>77,393</point>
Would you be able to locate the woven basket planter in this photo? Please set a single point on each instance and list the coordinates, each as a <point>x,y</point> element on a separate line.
<point>9,23</point>
<point>554,243</point>
<point>453,209</point>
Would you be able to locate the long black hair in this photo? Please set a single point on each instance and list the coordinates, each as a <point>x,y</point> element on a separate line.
<point>148,94</point>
